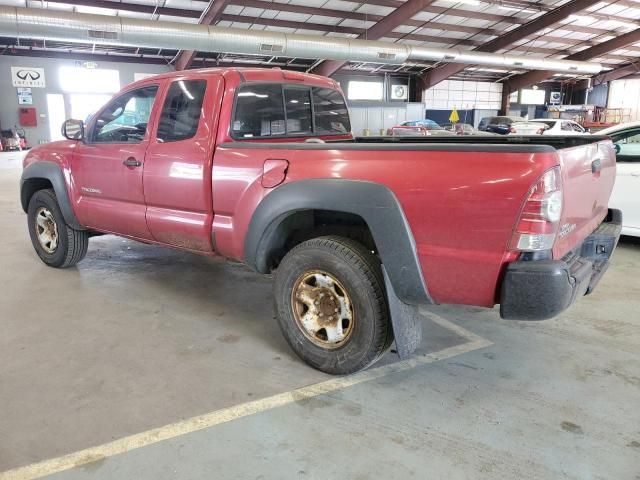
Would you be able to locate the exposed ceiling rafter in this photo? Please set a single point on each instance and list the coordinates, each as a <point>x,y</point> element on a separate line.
<point>616,74</point>
<point>531,78</point>
<point>383,27</point>
<point>210,16</point>
<point>438,74</point>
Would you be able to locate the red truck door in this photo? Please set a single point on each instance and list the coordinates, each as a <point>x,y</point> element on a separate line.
<point>108,165</point>
<point>178,165</point>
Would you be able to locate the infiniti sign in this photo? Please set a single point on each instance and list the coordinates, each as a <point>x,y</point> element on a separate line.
<point>27,77</point>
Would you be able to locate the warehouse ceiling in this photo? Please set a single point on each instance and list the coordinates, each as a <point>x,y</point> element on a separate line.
<point>606,32</point>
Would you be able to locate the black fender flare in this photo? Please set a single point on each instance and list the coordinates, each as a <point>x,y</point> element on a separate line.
<point>44,170</point>
<point>373,202</point>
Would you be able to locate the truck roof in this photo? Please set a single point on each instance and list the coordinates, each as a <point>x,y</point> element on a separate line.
<point>250,74</point>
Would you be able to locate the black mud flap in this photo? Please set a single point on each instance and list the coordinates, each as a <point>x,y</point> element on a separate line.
<point>406,321</point>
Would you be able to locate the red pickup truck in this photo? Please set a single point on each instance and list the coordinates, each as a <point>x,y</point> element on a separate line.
<point>260,166</point>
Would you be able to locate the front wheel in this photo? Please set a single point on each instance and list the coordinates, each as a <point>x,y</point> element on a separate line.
<point>331,305</point>
<point>55,242</point>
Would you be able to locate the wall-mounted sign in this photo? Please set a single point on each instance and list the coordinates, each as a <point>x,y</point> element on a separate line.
<point>532,97</point>
<point>399,92</point>
<point>24,96</point>
<point>27,77</point>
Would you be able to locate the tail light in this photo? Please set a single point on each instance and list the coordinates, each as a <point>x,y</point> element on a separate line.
<point>538,223</point>
<point>512,130</point>
<point>540,131</point>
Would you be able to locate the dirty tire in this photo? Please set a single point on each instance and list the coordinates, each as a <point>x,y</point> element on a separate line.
<point>71,244</point>
<point>358,271</point>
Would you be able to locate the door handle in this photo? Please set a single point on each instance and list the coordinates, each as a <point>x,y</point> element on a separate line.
<point>131,162</point>
<point>635,174</point>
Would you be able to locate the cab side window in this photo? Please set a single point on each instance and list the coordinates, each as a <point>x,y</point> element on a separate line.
<point>259,111</point>
<point>566,126</point>
<point>274,109</point>
<point>125,119</point>
<point>181,111</point>
<point>627,146</point>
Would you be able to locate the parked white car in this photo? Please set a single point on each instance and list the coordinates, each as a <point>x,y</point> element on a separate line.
<point>527,127</point>
<point>561,126</point>
<point>626,192</point>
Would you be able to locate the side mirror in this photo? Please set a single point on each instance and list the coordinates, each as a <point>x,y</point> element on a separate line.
<point>73,129</point>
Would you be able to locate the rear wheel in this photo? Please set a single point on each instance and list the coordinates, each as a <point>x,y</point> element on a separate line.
<point>331,305</point>
<point>55,242</point>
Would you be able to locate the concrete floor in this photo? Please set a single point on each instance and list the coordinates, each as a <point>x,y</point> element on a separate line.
<point>138,337</point>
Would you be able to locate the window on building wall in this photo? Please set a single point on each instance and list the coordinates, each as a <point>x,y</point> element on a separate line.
<point>88,80</point>
<point>357,90</point>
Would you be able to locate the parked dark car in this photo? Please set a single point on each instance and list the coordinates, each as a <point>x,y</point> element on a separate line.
<point>501,125</point>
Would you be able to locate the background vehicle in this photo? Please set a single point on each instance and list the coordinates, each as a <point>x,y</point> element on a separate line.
<point>527,128</point>
<point>10,140</point>
<point>463,129</point>
<point>497,124</point>
<point>626,192</point>
<point>561,127</point>
<point>360,232</point>
<point>418,127</point>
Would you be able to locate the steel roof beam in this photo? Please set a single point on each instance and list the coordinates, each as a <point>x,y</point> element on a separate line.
<point>616,74</point>
<point>438,74</point>
<point>386,25</point>
<point>189,13</point>
<point>210,16</point>
<point>531,78</point>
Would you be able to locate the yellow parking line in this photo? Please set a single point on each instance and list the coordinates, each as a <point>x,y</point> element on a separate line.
<point>132,442</point>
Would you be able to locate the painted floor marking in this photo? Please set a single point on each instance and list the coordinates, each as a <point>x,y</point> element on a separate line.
<point>217,417</point>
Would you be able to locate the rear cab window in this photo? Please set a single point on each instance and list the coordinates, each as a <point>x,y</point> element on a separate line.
<point>268,110</point>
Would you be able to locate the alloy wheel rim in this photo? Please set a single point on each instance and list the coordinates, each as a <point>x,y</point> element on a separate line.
<point>46,230</point>
<point>322,309</point>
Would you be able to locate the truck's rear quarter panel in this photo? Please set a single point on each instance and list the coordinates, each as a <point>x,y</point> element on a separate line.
<point>460,202</point>
<point>461,206</point>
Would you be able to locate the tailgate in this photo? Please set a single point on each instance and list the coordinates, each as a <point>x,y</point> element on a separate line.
<point>588,175</point>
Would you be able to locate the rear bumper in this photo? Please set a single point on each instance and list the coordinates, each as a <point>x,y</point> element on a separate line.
<point>541,289</point>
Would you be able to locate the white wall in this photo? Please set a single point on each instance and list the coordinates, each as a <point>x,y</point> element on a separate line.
<point>376,117</point>
<point>41,133</point>
<point>464,95</point>
<point>625,94</point>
